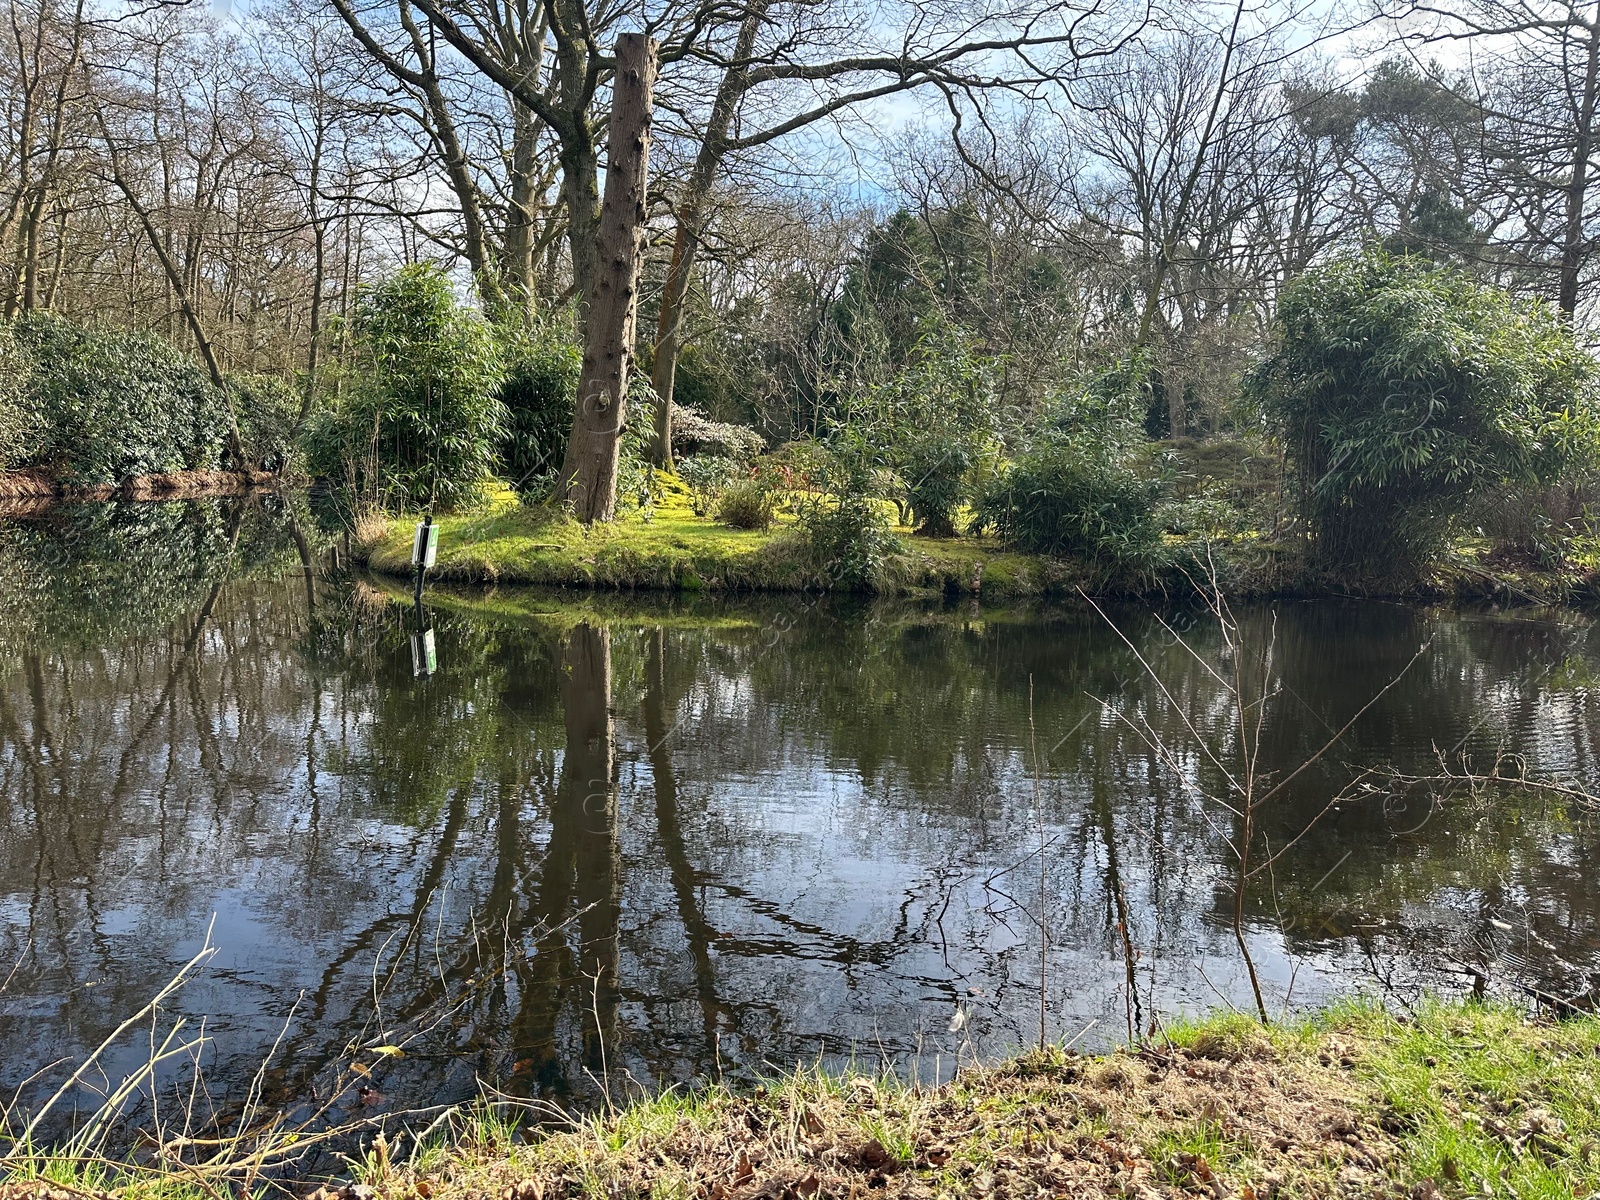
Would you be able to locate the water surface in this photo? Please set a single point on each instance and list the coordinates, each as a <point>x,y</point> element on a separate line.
<point>662,837</point>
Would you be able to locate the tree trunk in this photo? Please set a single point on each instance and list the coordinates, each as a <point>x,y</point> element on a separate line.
<point>519,269</point>
<point>1577,189</point>
<point>664,364</point>
<point>691,219</point>
<point>590,472</point>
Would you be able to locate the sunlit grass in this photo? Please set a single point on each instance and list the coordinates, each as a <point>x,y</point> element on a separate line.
<point>670,547</point>
<point>1458,1099</point>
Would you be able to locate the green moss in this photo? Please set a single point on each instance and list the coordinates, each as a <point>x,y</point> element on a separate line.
<point>672,549</point>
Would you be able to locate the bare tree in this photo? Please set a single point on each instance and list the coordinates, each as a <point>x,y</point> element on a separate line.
<point>1540,98</point>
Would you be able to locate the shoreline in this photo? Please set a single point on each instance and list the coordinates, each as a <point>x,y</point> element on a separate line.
<point>36,489</point>
<point>676,551</point>
<point>1457,1098</point>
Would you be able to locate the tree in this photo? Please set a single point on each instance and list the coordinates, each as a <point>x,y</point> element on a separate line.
<point>422,423</point>
<point>1402,390</point>
<point>589,474</point>
<point>1541,106</point>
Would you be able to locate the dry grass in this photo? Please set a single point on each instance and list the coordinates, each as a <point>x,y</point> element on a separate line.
<point>1459,1100</point>
<point>1143,1123</point>
<point>1456,1100</point>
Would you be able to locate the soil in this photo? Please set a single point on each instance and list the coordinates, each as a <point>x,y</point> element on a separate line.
<point>35,489</point>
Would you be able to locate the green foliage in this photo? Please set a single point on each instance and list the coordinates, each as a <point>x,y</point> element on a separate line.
<point>636,478</point>
<point>267,408</point>
<point>747,504</point>
<point>1076,490</point>
<point>539,392</point>
<point>1402,391</point>
<point>19,415</point>
<point>935,418</point>
<point>112,404</point>
<point>706,475</point>
<point>421,424</point>
<point>842,523</point>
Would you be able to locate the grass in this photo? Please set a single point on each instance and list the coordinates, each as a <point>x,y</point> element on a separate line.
<point>673,548</point>
<point>1457,1099</point>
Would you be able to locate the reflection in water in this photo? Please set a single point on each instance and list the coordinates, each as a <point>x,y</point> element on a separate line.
<point>667,837</point>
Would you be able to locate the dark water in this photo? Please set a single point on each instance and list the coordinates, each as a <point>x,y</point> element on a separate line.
<point>664,838</point>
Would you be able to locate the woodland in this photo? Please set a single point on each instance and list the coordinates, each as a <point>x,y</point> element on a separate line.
<point>1092,278</point>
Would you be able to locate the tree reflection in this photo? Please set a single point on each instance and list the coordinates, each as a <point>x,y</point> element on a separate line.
<point>660,835</point>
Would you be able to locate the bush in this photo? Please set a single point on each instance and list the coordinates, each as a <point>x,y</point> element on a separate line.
<point>747,504</point>
<point>19,415</point>
<point>267,408</point>
<point>842,523</point>
<point>1538,525</point>
<point>934,417</point>
<point>1076,490</point>
<point>539,393</point>
<point>706,475</point>
<point>1402,391</point>
<point>847,538</point>
<point>1068,498</point>
<point>112,404</point>
<point>636,478</point>
<point>694,433</point>
<point>421,424</point>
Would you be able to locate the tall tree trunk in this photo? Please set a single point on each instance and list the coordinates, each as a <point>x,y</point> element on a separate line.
<point>1572,242</point>
<point>690,227</point>
<point>519,270</point>
<point>664,363</point>
<point>589,475</point>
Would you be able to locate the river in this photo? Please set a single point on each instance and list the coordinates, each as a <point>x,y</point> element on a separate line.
<point>653,838</point>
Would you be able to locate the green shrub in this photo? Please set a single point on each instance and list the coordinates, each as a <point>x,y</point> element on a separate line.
<point>841,521</point>
<point>1077,489</point>
<point>636,478</point>
<point>747,504</point>
<point>539,393</point>
<point>1069,498</point>
<point>1539,525</point>
<point>267,408</point>
<point>1402,391</point>
<point>847,539</point>
<point>706,475</point>
<point>933,418</point>
<point>934,473</point>
<point>19,415</point>
<point>421,423</point>
<point>113,404</point>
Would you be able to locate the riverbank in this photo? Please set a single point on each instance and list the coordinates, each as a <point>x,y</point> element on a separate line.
<point>673,549</point>
<point>35,487</point>
<point>1457,1099</point>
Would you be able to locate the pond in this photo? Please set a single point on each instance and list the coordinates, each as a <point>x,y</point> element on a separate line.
<point>655,838</point>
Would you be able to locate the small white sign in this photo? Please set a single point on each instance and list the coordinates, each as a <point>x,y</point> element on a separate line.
<point>425,546</point>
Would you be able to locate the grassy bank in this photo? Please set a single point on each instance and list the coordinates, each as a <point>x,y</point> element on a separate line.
<point>674,549</point>
<point>1455,1100</point>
